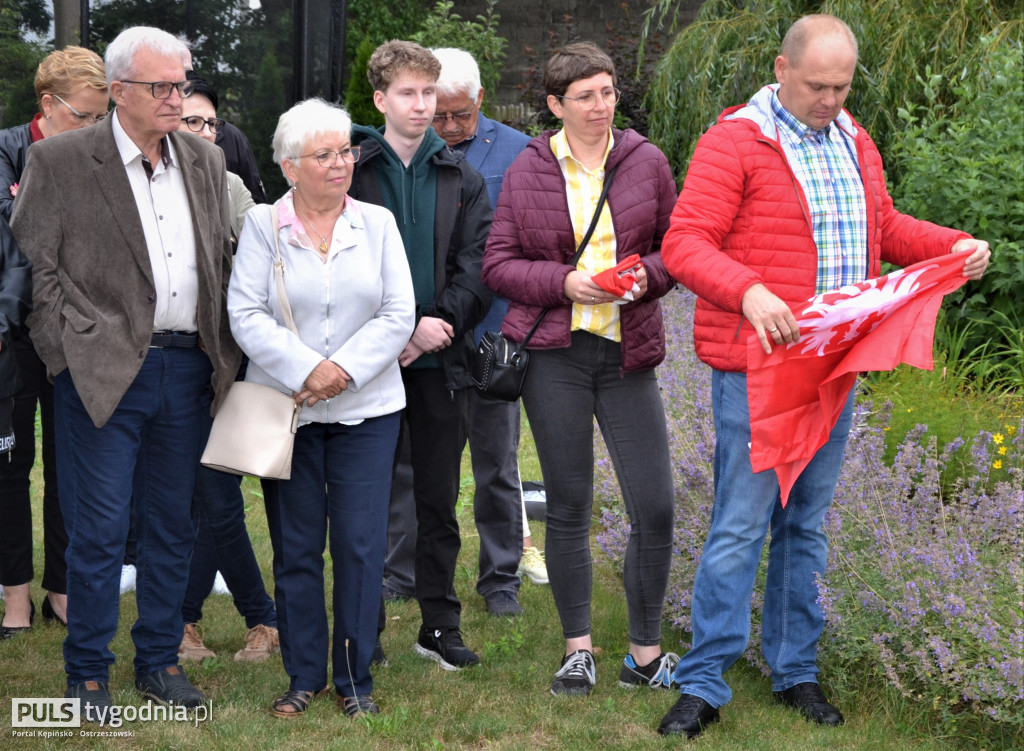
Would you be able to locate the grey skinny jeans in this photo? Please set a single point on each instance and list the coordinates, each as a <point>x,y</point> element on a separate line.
<point>564,390</point>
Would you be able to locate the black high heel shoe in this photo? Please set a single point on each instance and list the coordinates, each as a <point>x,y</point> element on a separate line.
<point>9,632</point>
<point>50,614</point>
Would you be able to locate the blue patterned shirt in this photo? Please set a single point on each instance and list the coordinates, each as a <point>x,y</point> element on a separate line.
<point>825,165</point>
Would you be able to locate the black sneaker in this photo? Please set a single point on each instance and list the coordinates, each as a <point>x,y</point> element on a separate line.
<point>95,704</point>
<point>445,647</point>
<point>655,674</point>
<point>170,686</point>
<point>808,698</point>
<point>577,675</point>
<point>689,716</point>
<point>504,602</point>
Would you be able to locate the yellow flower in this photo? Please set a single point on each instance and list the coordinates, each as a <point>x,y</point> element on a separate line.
<point>997,438</point>
<point>1011,429</point>
<point>997,464</point>
<point>910,409</point>
<point>1002,451</point>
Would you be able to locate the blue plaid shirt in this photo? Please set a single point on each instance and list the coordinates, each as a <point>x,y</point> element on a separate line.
<point>826,167</point>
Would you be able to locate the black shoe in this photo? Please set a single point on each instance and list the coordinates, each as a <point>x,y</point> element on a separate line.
<point>95,703</point>
<point>379,658</point>
<point>504,602</point>
<point>9,632</point>
<point>49,614</point>
<point>808,698</point>
<point>576,676</point>
<point>170,686</point>
<point>689,716</point>
<point>445,647</point>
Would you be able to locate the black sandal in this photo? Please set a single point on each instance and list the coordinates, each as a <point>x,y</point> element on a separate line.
<point>293,702</point>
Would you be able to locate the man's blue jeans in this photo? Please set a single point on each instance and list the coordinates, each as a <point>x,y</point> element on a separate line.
<point>146,455</point>
<point>747,505</point>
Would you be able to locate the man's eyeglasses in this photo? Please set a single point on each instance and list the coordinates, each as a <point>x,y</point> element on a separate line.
<point>196,124</point>
<point>588,99</point>
<point>163,89</point>
<point>82,117</point>
<point>462,118</point>
<point>330,158</point>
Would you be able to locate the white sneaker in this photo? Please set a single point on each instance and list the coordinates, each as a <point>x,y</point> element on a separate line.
<point>532,565</point>
<point>127,579</point>
<point>220,586</point>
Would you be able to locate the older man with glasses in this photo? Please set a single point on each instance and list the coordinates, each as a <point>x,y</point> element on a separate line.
<point>126,225</point>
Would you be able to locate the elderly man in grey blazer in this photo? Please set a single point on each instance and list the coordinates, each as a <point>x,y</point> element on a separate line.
<point>126,226</point>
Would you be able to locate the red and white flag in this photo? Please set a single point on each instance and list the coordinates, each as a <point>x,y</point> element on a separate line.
<point>797,393</point>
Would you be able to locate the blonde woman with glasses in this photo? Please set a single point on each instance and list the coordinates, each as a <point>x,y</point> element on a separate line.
<point>71,89</point>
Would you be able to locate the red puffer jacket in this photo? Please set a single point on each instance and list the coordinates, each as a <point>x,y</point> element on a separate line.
<point>742,219</point>
<point>531,244</point>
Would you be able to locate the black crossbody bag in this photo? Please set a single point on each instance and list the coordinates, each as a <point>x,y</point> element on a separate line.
<point>499,364</point>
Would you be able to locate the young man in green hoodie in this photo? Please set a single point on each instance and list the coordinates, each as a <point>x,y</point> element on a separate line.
<point>444,216</point>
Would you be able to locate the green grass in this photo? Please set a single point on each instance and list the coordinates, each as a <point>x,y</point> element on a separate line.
<point>504,705</point>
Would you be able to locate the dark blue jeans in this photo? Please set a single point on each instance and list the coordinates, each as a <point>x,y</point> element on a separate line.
<point>565,390</point>
<point>222,543</point>
<point>146,455</point>
<point>340,483</point>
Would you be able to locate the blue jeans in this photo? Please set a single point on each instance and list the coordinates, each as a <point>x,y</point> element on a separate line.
<point>146,455</point>
<point>222,543</point>
<point>747,505</point>
<point>340,483</point>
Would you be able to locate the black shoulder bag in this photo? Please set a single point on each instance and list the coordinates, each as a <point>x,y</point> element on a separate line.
<point>499,364</point>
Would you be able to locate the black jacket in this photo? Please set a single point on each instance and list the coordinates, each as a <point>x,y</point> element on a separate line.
<point>14,143</point>
<point>15,302</point>
<point>462,221</point>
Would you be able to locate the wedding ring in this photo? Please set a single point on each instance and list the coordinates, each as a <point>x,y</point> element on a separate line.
<point>593,299</point>
<point>772,330</point>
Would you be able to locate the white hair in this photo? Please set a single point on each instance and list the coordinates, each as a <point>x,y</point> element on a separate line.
<point>120,55</point>
<point>303,123</point>
<point>459,73</point>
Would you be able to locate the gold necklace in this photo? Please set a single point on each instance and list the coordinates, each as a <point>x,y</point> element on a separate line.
<point>309,225</point>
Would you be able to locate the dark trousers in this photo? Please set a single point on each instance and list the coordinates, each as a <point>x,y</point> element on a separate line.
<point>436,419</point>
<point>146,455</point>
<point>15,499</point>
<point>565,390</point>
<point>222,543</point>
<point>341,476</point>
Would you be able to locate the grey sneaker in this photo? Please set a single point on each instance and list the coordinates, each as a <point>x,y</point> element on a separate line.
<point>577,675</point>
<point>656,674</point>
<point>504,602</point>
<point>446,648</point>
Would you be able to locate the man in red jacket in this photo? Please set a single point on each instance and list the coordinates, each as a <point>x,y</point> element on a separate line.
<point>784,198</point>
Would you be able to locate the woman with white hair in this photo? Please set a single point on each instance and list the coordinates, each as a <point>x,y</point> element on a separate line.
<point>350,291</point>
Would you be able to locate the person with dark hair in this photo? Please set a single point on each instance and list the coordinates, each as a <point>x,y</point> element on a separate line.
<point>443,215</point>
<point>72,93</point>
<point>595,351</point>
<point>784,199</point>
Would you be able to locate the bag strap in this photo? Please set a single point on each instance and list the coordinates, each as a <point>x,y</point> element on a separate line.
<point>282,296</point>
<point>579,251</point>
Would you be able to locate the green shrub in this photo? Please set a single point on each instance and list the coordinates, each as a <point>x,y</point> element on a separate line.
<point>359,97</point>
<point>962,165</point>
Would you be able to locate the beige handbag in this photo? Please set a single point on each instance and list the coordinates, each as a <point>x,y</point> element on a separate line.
<point>253,432</point>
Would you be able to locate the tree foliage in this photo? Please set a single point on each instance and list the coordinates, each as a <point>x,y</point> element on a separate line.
<point>728,52</point>
<point>19,57</point>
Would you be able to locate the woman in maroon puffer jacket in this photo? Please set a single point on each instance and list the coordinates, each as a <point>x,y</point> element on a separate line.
<point>594,353</point>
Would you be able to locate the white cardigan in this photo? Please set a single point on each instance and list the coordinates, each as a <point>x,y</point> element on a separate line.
<point>356,310</point>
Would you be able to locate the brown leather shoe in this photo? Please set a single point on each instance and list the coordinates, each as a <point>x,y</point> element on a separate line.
<point>260,642</point>
<point>192,647</point>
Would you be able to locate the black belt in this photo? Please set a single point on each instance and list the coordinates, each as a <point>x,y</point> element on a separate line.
<point>186,339</point>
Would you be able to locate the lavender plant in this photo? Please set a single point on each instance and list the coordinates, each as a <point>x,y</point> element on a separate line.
<point>925,585</point>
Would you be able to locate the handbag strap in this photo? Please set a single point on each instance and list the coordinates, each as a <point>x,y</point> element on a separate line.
<point>609,176</point>
<point>282,296</point>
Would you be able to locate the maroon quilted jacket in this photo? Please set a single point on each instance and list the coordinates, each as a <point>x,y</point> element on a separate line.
<point>742,219</point>
<point>531,244</point>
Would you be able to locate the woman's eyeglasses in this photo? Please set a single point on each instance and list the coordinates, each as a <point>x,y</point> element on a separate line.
<point>330,158</point>
<point>588,99</point>
<point>82,117</point>
<point>196,124</point>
